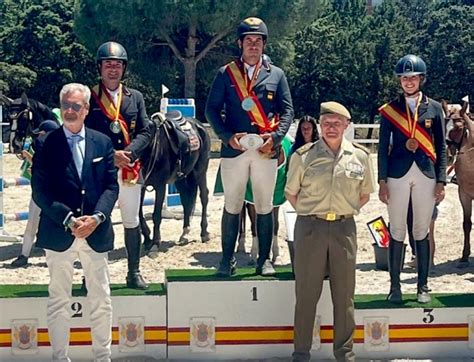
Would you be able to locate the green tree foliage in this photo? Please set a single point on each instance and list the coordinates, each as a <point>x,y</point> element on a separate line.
<point>167,40</point>
<point>348,55</point>
<point>449,53</point>
<point>39,49</point>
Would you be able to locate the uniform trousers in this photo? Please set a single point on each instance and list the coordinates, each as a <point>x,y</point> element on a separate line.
<point>235,173</point>
<point>322,245</point>
<point>129,202</point>
<point>61,270</point>
<point>421,188</point>
<point>31,228</point>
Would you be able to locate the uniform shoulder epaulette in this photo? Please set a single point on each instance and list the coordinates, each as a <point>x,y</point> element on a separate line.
<point>360,147</point>
<point>303,149</point>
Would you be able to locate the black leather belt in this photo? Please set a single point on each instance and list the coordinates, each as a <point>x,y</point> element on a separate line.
<point>330,216</point>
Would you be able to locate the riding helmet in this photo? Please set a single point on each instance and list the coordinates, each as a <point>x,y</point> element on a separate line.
<point>410,65</point>
<point>111,51</point>
<point>252,26</point>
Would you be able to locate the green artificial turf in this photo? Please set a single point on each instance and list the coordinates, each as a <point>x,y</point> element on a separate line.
<point>369,301</point>
<point>41,290</point>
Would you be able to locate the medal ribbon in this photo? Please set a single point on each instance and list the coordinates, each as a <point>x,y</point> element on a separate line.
<point>403,123</point>
<point>412,124</point>
<point>130,174</point>
<point>244,89</point>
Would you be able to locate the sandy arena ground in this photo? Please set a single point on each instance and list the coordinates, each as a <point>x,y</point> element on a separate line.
<point>445,276</point>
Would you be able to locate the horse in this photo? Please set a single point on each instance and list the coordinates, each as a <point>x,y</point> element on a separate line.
<point>462,136</point>
<point>162,165</point>
<point>23,115</point>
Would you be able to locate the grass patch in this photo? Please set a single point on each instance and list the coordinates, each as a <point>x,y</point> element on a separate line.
<point>41,290</point>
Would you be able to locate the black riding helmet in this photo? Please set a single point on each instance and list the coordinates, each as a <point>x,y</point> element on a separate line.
<point>410,65</point>
<point>252,26</point>
<point>111,51</point>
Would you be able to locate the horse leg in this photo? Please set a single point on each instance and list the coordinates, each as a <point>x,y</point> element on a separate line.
<point>188,192</point>
<point>466,203</point>
<point>243,216</point>
<point>276,259</point>
<point>159,199</point>
<point>253,226</point>
<point>143,225</point>
<point>204,196</point>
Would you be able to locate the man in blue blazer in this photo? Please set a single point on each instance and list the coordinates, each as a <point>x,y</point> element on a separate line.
<point>75,184</point>
<point>249,107</point>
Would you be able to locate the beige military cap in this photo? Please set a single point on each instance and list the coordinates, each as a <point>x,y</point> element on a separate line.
<point>334,108</point>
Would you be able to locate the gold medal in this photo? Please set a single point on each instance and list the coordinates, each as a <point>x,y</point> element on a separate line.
<point>412,145</point>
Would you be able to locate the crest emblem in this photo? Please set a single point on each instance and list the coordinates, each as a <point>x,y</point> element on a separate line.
<point>376,334</point>
<point>428,123</point>
<point>24,336</point>
<point>202,333</point>
<point>132,334</point>
<point>252,21</point>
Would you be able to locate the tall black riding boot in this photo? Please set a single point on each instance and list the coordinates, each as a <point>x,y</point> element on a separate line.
<point>132,244</point>
<point>395,255</point>
<point>265,237</point>
<point>230,230</point>
<point>423,268</point>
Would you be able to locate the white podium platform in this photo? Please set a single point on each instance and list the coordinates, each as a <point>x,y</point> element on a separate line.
<point>138,327</point>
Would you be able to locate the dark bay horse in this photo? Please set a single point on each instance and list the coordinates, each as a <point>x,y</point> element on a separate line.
<point>23,115</point>
<point>462,135</point>
<point>161,165</point>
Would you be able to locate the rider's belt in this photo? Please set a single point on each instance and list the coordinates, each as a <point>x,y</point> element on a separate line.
<point>330,216</point>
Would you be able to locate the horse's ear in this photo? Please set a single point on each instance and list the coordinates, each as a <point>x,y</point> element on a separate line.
<point>444,104</point>
<point>24,99</point>
<point>4,100</point>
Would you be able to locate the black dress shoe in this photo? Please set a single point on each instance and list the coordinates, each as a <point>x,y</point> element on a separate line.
<point>19,262</point>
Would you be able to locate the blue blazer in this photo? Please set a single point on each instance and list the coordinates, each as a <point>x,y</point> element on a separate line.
<point>271,88</point>
<point>394,159</point>
<point>58,190</point>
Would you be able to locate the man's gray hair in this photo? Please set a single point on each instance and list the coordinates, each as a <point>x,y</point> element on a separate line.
<point>75,87</point>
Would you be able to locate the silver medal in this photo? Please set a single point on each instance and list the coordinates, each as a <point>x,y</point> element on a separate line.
<point>115,127</point>
<point>248,104</point>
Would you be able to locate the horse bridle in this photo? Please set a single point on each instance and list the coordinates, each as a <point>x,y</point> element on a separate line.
<point>14,117</point>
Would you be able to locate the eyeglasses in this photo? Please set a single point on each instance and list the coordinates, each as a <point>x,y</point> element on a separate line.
<point>76,107</point>
<point>332,125</point>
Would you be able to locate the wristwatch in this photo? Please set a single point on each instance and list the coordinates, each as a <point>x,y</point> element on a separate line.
<point>70,222</point>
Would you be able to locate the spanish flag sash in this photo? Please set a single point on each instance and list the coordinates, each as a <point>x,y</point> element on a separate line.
<point>244,89</point>
<point>411,129</point>
<point>130,174</point>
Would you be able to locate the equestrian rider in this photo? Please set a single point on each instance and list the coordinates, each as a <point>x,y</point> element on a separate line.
<point>255,99</point>
<point>119,112</point>
<point>414,167</point>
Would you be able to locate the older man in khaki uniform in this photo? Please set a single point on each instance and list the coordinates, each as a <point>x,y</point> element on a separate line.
<point>328,182</point>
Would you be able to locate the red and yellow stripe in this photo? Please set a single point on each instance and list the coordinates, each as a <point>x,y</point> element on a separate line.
<point>284,334</point>
<point>399,120</point>
<point>107,106</point>
<point>257,114</point>
<point>83,336</point>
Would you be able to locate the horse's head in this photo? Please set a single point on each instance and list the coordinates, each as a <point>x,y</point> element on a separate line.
<point>20,117</point>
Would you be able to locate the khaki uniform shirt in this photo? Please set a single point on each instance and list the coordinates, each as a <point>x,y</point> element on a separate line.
<point>326,183</point>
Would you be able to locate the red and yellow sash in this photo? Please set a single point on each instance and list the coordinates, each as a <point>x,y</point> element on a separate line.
<point>402,122</point>
<point>244,88</point>
<point>130,174</point>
